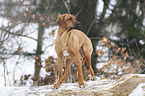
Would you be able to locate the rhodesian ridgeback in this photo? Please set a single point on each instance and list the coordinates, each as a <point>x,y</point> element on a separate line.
<point>75,46</point>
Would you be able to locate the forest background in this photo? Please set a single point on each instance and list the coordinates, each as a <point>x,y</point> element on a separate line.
<point>27,31</point>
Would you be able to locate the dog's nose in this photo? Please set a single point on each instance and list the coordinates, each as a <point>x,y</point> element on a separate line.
<point>76,26</point>
<point>78,23</point>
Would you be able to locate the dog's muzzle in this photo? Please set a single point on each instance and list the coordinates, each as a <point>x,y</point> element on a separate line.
<point>77,26</point>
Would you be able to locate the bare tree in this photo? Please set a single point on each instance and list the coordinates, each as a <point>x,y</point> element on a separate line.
<point>19,15</point>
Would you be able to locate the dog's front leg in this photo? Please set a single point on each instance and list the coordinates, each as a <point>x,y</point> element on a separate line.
<point>67,66</point>
<point>60,67</point>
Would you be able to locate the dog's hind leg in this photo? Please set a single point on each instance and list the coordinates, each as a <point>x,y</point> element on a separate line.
<point>87,54</point>
<point>88,60</point>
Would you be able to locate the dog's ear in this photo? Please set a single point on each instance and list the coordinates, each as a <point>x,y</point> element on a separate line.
<point>60,21</point>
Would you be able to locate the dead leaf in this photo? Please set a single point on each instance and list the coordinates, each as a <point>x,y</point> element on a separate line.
<point>123,49</point>
<point>41,18</point>
<point>129,64</point>
<point>25,14</point>
<point>30,12</point>
<point>125,58</point>
<point>114,57</point>
<point>33,16</point>
<point>126,54</point>
<point>117,50</point>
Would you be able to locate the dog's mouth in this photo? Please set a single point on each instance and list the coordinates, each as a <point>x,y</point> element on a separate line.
<point>77,26</point>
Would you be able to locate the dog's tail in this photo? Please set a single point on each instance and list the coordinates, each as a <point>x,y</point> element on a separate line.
<point>82,55</point>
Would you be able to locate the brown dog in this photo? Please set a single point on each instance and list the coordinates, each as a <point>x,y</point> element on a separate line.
<point>74,45</point>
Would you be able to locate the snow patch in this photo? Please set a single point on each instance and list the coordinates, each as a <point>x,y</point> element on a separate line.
<point>43,90</point>
<point>139,91</point>
<point>91,86</point>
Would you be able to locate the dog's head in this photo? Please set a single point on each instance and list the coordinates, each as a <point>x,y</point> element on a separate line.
<point>67,21</point>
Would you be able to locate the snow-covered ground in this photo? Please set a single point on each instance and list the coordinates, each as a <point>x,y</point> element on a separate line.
<point>91,86</point>
<point>139,91</point>
<point>72,89</point>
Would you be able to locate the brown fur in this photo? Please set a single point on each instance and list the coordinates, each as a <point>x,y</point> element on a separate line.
<point>76,44</point>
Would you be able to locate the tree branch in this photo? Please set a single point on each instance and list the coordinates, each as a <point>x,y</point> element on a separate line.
<point>66,6</point>
<point>17,34</point>
<point>79,12</point>
<point>91,25</point>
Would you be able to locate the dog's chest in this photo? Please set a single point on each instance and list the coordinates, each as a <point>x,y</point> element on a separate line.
<point>64,41</point>
<point>64,38</point>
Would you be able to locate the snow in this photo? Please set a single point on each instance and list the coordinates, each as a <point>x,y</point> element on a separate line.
<point>90,86</point>
<point>13,91</point>
<point>100,7</point>
<point>139,91</point>
<point>42,90</point>
<point>140,75</point>
<point>141,42</point>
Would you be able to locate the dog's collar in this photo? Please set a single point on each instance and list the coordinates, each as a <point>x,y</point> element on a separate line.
<point>69,30</point>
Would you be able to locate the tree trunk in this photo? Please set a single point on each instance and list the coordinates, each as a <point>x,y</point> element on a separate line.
<point>39,51</point>
<point>87,17</point>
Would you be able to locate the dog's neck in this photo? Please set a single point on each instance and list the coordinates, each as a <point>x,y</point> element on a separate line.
<point>61,30</point>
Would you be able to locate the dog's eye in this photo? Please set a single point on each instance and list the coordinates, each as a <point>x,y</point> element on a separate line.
<point>70,19</point>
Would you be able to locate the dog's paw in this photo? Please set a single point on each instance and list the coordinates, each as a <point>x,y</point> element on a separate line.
<point>54,88</point>
<point>93,78</point>
<point>82,86</point>
<point>56,85</point>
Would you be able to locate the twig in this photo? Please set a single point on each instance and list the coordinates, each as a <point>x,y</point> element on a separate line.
<point>4,72</point>
<point>17,34</point>
<point>51,7</point>
<point>95,38</point>
<point>66,6</point>
<point>79,12</point>
<point>91,26</point>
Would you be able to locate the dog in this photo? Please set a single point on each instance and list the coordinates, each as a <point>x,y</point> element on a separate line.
<point>75,46</point>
